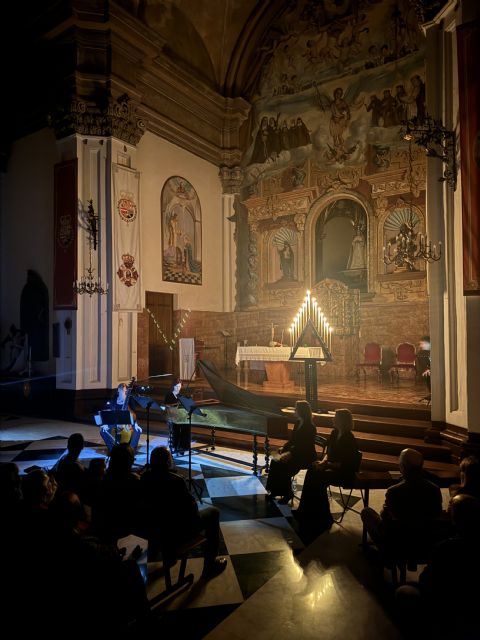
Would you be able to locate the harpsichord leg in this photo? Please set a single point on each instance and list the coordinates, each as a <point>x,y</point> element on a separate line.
<point>267,454</point>
<point>255,454</point>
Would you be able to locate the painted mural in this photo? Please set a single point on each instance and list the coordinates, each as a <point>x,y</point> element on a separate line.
<point>326,161</point>
<point>336,86</point>
<point>181,232</point>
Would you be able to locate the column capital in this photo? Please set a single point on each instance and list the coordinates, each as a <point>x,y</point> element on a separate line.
<point>231,179</point>
<point>111,118</point>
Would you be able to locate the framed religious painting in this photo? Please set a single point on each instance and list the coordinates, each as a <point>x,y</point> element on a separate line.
<point>181,232</point>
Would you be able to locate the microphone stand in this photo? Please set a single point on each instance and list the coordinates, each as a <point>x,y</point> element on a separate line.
<point>147,403</point>
<point>190,407</point>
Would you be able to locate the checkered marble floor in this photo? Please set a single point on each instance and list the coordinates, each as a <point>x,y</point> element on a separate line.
<point>258,537</point>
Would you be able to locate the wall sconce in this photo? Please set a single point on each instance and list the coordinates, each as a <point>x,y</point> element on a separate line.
<point>88,283</point>
<point>438,142</point>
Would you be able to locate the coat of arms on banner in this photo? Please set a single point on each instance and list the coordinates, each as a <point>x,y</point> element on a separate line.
<point>65,232</point>
<point>127,272</point>
<point>127,209</point>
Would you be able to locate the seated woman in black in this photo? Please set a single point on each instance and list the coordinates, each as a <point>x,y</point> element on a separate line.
<point>178,434</point>
<point>298,453</point>
<point>337,467</point>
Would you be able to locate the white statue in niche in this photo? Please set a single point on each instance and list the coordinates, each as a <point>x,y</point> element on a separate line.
<point>357,258</point>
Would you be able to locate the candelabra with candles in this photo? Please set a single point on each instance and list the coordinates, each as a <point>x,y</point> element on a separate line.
<point>88,283</point>
<point>311,341</point>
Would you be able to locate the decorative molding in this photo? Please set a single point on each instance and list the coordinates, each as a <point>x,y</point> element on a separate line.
<point>341,305</point>
<point>284,297</point>
<point>397,181</point>
<point>300,220</point>
<point>191,115</point>
<point>118,119</point>
<point>380,205</point>
<point>406,290</point>
<point>231,179</point>
<point>280,205</point>
<point>327,182</point>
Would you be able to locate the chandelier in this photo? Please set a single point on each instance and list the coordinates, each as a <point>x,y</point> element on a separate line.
<point>410,245</point>
<point>88,283</point>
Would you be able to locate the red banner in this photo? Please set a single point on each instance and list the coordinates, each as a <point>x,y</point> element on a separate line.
<point>469,102</point>
<point>65,240</point>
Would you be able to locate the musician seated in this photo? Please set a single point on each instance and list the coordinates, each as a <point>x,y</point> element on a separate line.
<point>178,435</point>
<point>117,434</point>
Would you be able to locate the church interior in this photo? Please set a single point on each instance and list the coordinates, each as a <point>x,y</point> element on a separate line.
<point>270,201</point>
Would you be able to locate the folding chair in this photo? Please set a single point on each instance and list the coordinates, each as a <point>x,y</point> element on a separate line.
<point>346,497</point>
<point>170,557</point>
<point>321,442</point>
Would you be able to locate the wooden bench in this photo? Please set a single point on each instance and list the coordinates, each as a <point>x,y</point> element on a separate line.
<point>366,480</point>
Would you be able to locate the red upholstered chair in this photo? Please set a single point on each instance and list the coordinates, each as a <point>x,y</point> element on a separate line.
<point>372,359</point>
<point>405,360</point>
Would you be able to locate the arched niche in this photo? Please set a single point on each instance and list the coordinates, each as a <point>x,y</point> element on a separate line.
<point>282,255</point>
<point>339,236</point>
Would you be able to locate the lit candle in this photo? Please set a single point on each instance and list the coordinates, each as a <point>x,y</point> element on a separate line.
<point>330,338</point>
<point>325,336</point>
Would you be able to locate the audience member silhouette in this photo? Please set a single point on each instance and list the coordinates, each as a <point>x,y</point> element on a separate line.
<point>469,478</point>
<point>297,453</point>
<point>70,473</point>
<point>95,472</point>
<point>88,570</point>
<point>172,516</point>
<point>444,603</point>
<point>411,518</point>
<point>338,467</point>
<point>115,510</point>
<point>10,490</point>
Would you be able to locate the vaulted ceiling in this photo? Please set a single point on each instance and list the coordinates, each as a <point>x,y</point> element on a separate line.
<point>192,67</point>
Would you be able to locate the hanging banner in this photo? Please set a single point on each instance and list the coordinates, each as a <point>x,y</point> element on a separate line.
<point>469,106</point>
<point>126,240</point>
<point>65,240</point>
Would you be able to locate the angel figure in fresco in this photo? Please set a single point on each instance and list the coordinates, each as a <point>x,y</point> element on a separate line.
<point>340,106</point>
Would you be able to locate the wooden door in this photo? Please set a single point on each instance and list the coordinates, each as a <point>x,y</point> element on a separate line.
<point>160,356</point>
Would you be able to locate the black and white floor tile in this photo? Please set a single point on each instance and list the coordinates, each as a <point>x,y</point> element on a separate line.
<point>259,537</point>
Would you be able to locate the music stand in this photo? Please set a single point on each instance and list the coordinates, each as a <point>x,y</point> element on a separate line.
<point>190,407</point>
<point>114,418</point>
<point>147,403</point>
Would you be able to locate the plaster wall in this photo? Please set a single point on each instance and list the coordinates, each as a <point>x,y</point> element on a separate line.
<point>158,160</point>
<point>26,240</point>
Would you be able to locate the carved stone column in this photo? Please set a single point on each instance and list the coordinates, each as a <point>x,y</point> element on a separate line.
<point>231,178</point>
<point>252,284</point>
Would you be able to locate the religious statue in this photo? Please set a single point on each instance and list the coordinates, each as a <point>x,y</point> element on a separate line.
<point>357,258</point>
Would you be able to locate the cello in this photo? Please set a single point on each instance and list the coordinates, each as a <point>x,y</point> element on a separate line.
<point>123,432</point>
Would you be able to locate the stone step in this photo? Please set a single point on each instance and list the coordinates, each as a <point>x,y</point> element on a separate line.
<point>404,427</point>
<point>392,444</point>
<point>384,462</point>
